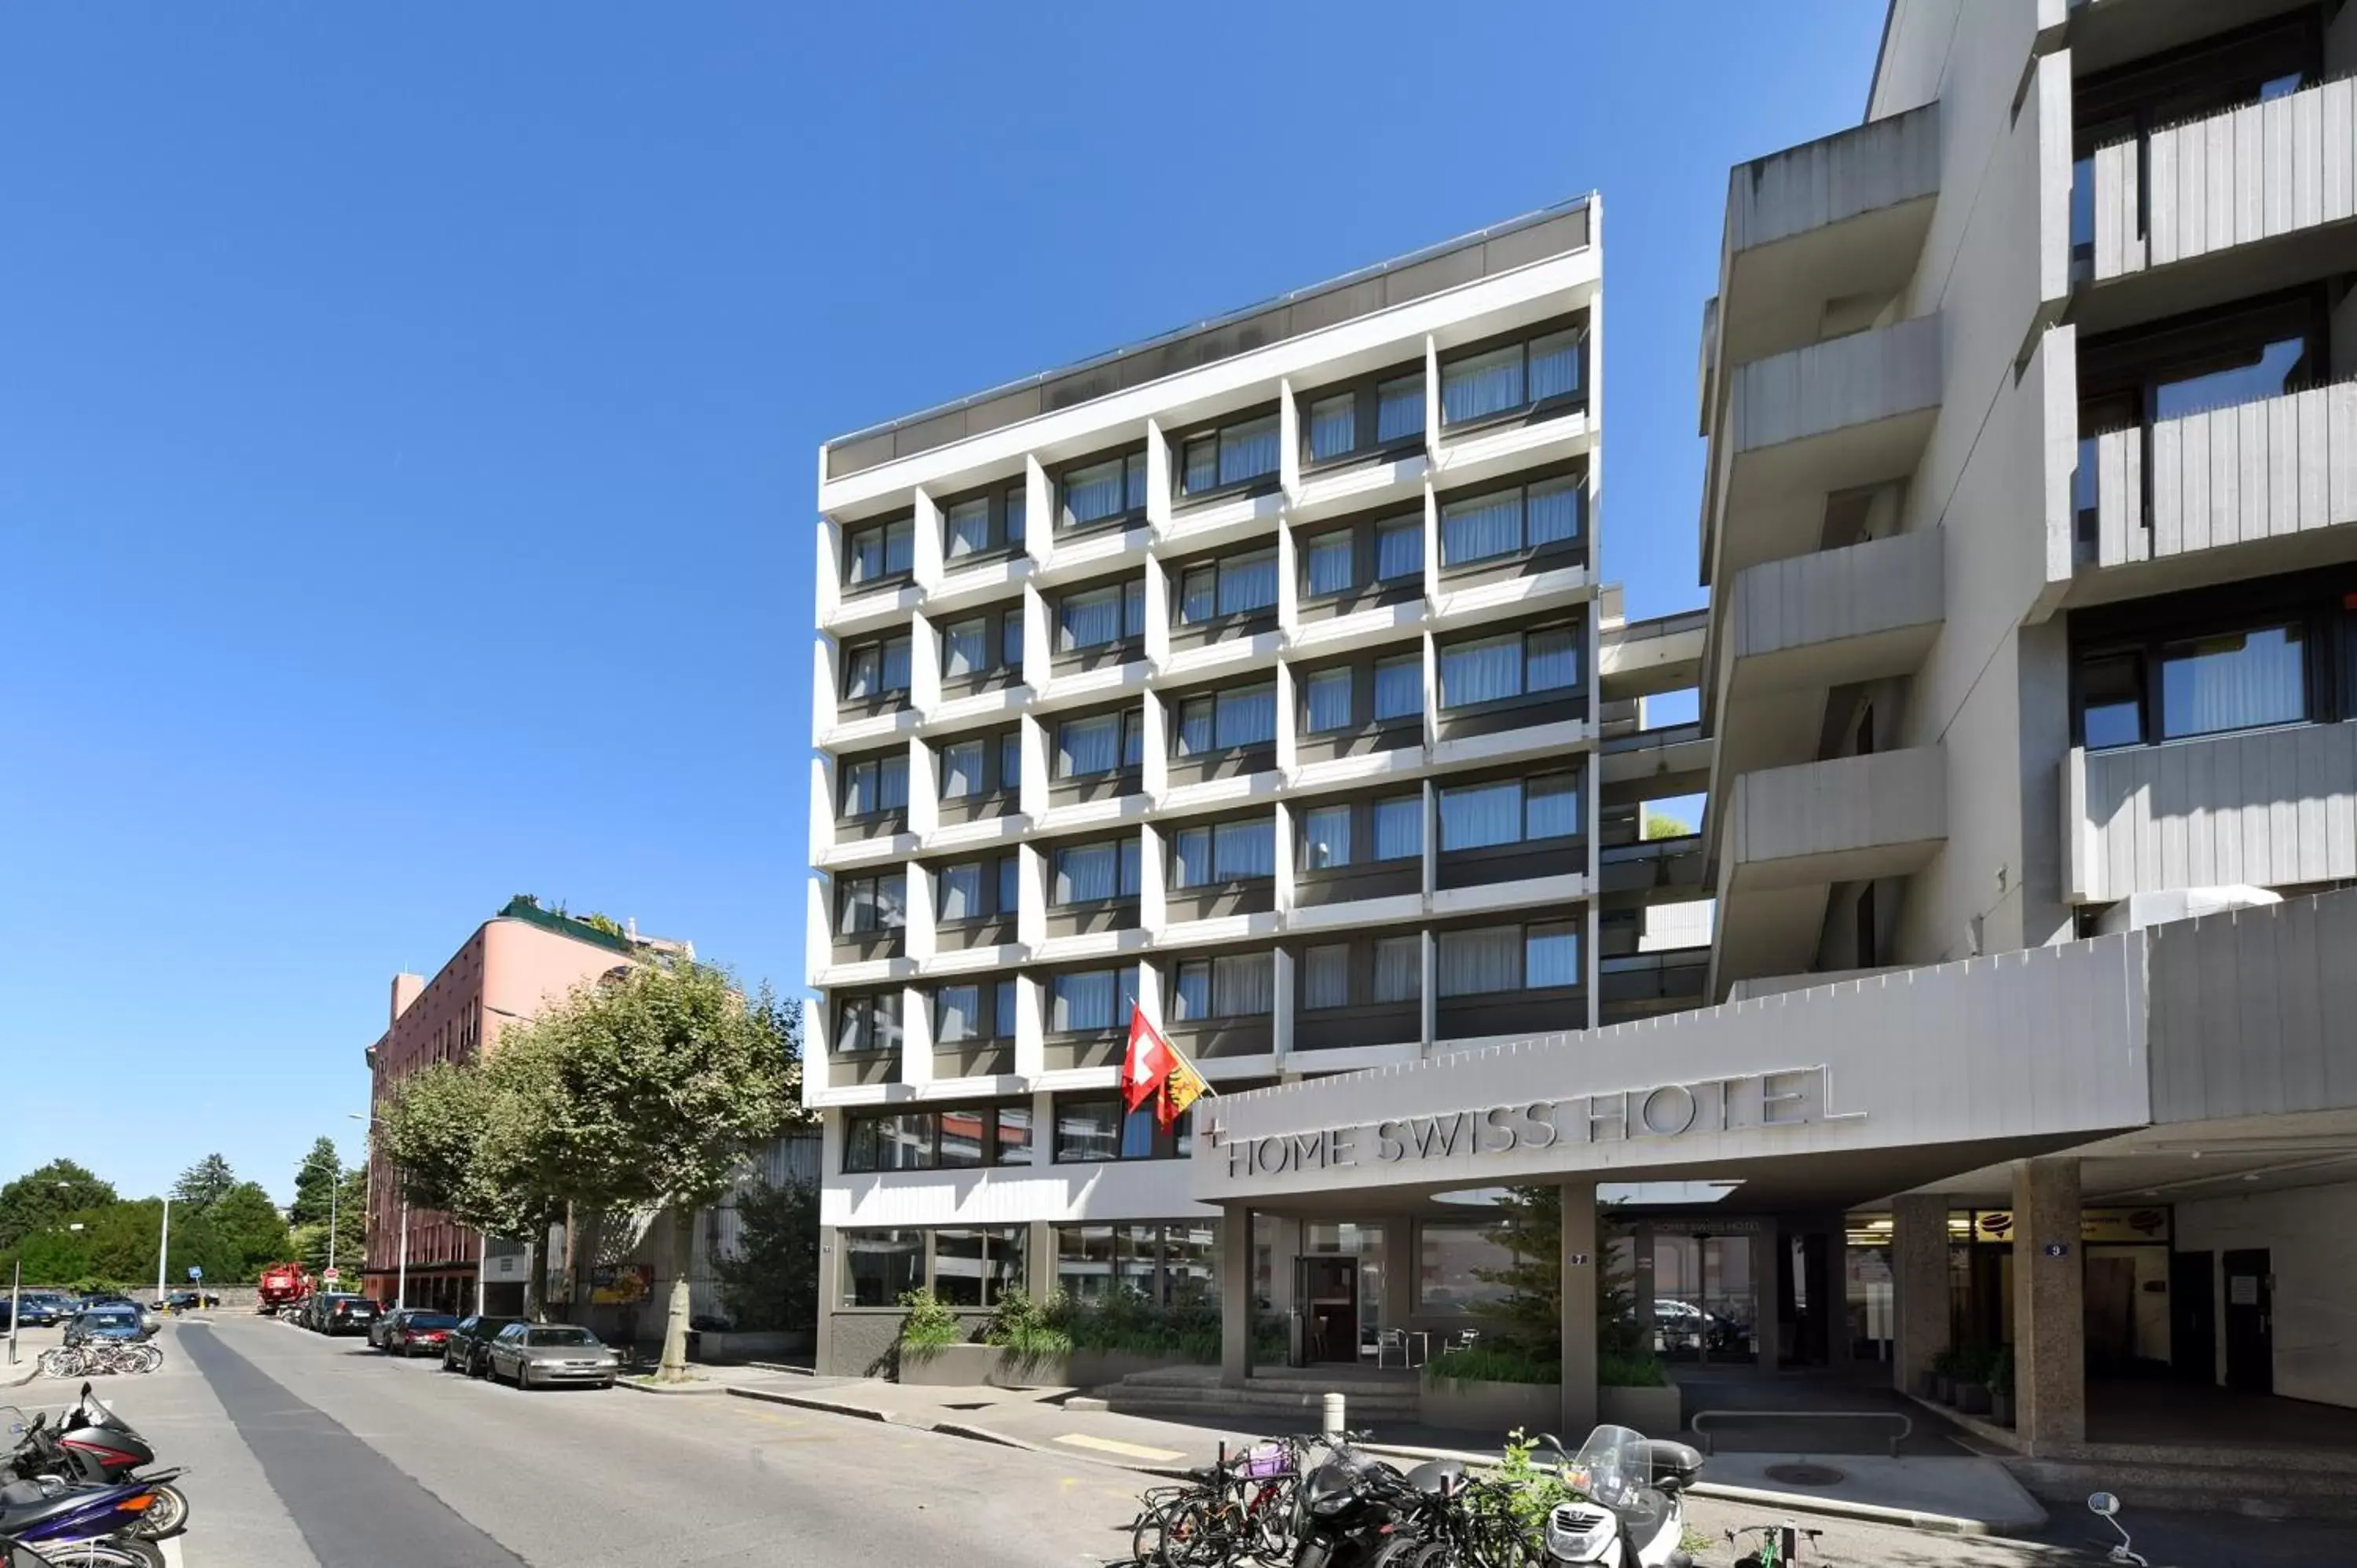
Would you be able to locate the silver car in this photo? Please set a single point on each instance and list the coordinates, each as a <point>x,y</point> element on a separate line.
<point>537,1354</point>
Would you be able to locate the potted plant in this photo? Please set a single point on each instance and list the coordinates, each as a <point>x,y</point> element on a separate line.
<point>1972,1379</point>
<point>2000,1388</point>
<point>1944,1367</point>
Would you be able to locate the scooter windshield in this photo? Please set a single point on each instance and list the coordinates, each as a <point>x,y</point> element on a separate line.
<point>1612,1467</point>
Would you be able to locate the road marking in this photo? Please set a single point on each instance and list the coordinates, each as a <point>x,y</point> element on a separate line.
<point>1110,1445</point>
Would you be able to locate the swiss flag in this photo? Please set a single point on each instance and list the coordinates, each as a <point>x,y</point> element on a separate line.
<point>1150,1061</point>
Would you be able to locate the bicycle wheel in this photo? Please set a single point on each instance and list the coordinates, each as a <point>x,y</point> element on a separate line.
<point>57,1361</point>
<point>114,1551</point>
<point>1161,1523</point>
<point>150,1358</point>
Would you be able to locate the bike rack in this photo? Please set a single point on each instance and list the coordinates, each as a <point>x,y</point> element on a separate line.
<point>1905,1423</point>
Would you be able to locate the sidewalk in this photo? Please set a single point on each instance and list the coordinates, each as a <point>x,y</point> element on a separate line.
<point>1960,1494</point>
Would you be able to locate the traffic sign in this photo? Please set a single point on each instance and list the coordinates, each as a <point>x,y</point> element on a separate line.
<point>195,1273</point>
<point>330,1277</point>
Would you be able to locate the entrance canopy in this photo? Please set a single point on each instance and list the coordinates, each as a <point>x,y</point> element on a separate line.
<point>1822,1098</point>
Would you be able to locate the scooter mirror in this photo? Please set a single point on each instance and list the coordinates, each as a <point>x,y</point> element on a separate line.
<point>2104,1503</point>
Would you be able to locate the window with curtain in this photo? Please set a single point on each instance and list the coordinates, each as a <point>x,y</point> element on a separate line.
<point>1003,1015</point>
<point>1093,999</point>
<point>1010,760</point>
<point>1190,857</point>
<point>1399,828</point>
<point>1551,807</point>
<point>1190,727</point>
<point>1103,491</point>
<point>1232,454</point>
<point>1198,594</point>
<point>1085,747</point>
<point>1327,565</point>
<point>876,784</point>
<point>1399,687</point>
<point>1479,527</point>
<point>1399,550</point>
<point>1477,816</point>
<point>872,904</point>
<point>1325,702</point>
<point>1089,619</point>
<point>1499,380</point>
<point>965,649</point>
<point>1399,409</point>
<point>1555,365</point>
<point>869,1023</point>
<point>1551,513</point>
<point>884,551</point>
<point>1010,882</point>
<point>1241,851</point>
<point>1480,962</point>
<point>957,1014</point>
<point>1010,640</point>
<point>1325,838</point>
<point>1325,978</point>
<point>1551,956</point>
<point>957,890</point>
<point>1248,582</point>
<point>1243,985</point>
<point>961,770</point>
<point>873,669</point>
<point>1489,671</point>
<point>966,529</point>
<point>1088,872</point>
<point>1018,502</point>
<point>1191,992</point>
<point>1550,659</point>
<point>2237,679</point>
<point>1334,426</point>
<point>1399,969</point>
<point>1246,716</point>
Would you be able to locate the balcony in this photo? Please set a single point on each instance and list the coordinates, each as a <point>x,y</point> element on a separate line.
<point>1654,764</point>
<point>1859,613</point>
<point>1847,819</point>
<point>1848,412</point>
<point>2233,492</point>
<point>2272,808</point>
<point>2260,174</point>
<point>1842,217</point>
<point>1643,984</point>
<point>1647,657</point>
<point>1655,871</point>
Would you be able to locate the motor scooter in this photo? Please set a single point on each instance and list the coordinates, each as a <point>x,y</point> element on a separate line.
<point>93,1443</point>
<point>1631,1512</point>
<point>47,1514</point>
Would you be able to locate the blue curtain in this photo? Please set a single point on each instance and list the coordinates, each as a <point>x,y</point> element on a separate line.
<point>1555,365</point>
<point>1247,717</point>
<point>1551,807</point>
<point>1248,451</point>
<point>1399,687</point>
<point>1399,410</point>
<point>1088,745</point>
<point>1325,702</point>
<point>964,648</point>
<point>1018,501</point>
<point>1190,857</point>
<point>1486,383</point>
<point>967,529</point>
<point>1199,466</point>
<point>1399,828</point>
<point>1478,529</point>
<point>2238,680</point>
<point>1243,985</point>
<point>1243,850</point>
<point>1095,491</point>
<point>1399,551</point>
<point>1325,837</point>
<point>1333,425</point>
<point>1552,660</point>
<point>1483,963</point>
<point>1198,595</point>
<point>957,1015</point>
<point>1248,582</point>
<point>959,889</point>
<point>961,770</point>
<point>1089,619</point>
<point>1554,513</point>
<point>1399,969</point>
<point>1085,872</point>
<point>1326,977</point>
<point>1191,993</point>
<point>1193,730</point>
<point>1480,815</point>
<point>1551,957</point>
<point>1326,566</point>
<point>1481,671</point>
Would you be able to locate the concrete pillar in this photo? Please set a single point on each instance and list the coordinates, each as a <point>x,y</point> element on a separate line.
<point>1770,1279</point>
<point>1580,1263</point>
<point>1235,1295</point>
<point>1641,1285</point>
<point>830,1244</point>
<point>2049,1353</point>
<point>1039,1257</point>
<point>1919,1287</point>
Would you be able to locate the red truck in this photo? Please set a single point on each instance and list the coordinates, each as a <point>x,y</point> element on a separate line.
<point>282,1285</point>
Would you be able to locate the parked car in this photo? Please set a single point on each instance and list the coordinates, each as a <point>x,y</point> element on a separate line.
<point>467,1347</point>
<point>112,1322</point>
<point>418,1333</point>
<point>386,1322</point>
<point>536,1355</point>
<point>343,1314</point>
<point>43,1307</point>
<point>188,1300</point>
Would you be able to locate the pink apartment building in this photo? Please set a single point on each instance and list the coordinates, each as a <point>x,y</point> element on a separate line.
<point>516,964</point>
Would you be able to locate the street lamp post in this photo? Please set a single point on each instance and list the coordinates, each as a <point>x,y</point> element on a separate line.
<point>163,1246</point>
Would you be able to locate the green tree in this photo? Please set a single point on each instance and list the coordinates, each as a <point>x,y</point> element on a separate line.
<point>1530,1228</point>
<point>249,1228</point>
<point>465,1139</point>
<point>204,1184</point>
<point>315,1180</point>
<point>772,1282</point>
<point>40,1198</point>
<point>1660,826</point>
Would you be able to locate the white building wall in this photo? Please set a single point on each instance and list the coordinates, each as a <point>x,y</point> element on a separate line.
<point>2315,1279</point>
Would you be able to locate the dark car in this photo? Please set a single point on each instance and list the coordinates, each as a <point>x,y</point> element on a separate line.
<point>189,1300</point>
<point>386,1323</point>
<point>106,1323</point>
<point>466,1349</point>
<point>346,1313</point>
<point>44,1307</point>
<point>418,1333</point>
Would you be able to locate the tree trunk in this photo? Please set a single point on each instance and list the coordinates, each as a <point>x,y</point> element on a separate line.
<point>535,1284</point>
<point>683,1264</point>
<point>586,1239</point>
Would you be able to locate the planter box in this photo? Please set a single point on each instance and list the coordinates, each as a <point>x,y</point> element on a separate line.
<point>1973,1399</point>
<point>2001,1407</point>
<point>1943,1388</point>
<point>1491,1409</point>
<point>708,1346</point>
<point>949,1366</point>
<point>1656,1413</point>
<point>1080,1369</point>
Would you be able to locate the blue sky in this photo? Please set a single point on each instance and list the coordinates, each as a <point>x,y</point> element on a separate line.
<point>408,418</point>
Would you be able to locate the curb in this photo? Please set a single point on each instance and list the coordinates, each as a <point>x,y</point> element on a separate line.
<point>672,1390</point>
<point>17,1380</point>
<point>950,1428</point>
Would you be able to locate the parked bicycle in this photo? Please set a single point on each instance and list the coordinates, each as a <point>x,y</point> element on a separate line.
<point>1241,1507</point>
<point>99,1358</point>
<point>1779,1546</point>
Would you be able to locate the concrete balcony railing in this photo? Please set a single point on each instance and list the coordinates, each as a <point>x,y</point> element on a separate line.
<point>2239,476</point>
<point>1646,657</point>
<point>1653,871</point>
<point>1859,613</point>
<point>2255,173</point>
<point>1642,984</point>
<point>1654,764</point>
<point>1845,820</point>
<point>1850,411</point>
<point>2273,808</point>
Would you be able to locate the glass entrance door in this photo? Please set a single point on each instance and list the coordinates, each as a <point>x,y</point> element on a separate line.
<point>1328,1291</point>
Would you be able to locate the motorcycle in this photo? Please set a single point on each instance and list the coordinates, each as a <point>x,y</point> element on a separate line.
<point>73,1523</point>
<point>1631,1507</point>
<point>1349,1508</point>
<point>93,1443</point>
<point>85,1555</point>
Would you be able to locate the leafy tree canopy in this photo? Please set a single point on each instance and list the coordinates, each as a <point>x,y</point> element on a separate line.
<point>315,1179</point>
<point>772,1282</point>
<point>204,1184</point>
<point>40,1198</point>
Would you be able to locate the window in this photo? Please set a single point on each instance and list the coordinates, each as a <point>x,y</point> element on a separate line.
<point>1091,873</point>
<point>1010,884</point>
<point>982,523</point>
<point>1519,375</point>
<point>1010,640</point>
<point>957,1015</point>
<point>1399,550</point>
<point>927,1139</point>
<point>1325,702</point>
<point>1237,586</point>
<point>1510,810</point>
<point>1094,618</point>
<point>880,1266</point>
<point>957,893</point>
<point>966,646</point>
<point>2111,697</point>
<point>1325,978</point>
<point>961,770</point>
<point>1224,721</point>
<point>873,670</point>
<point>876,784</point>
<point>976,1266</point>
<point>1399,969</point>
<point>2238,680</point>
<point>1371,416</point>
<point>1010,760</point>
<point>1325,838</point>
<point>867,1023</point>
<point>1232,454</point>
<point>1399,828</point>
<point>1097,1128</point>
<point>1551,956</point>
<point>1233,985</point>
<point>1451,1261</point>
<point>1506,522</point>
<point>1106,743</point>
<point>1091,1000</point>
<point>1495,668</point>
<point>1225,852</point>
<point>882,550</point>
<point>870,904</point>
<point>1327,564</point>
<point>1497,958</point>
<point>1399,687</point>
<point>1100,491</point>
